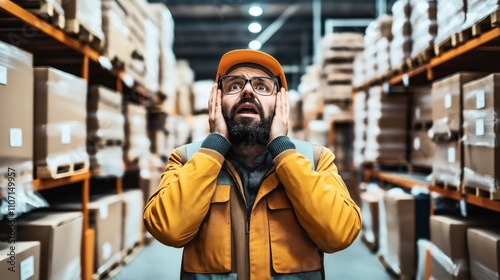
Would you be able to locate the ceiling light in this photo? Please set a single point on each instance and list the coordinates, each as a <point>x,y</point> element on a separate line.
<point>255,11</point>
<point>254,27</point>
<point>255,45</point>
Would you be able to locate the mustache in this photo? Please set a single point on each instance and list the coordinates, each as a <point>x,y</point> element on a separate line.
<point>247,100</point>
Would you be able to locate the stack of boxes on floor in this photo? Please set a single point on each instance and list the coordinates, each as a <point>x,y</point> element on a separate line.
<point>57,125</point>
<point>453,132</point>
<point>311,105</point>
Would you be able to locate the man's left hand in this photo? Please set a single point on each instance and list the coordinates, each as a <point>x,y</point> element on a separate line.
<point>279,127</point>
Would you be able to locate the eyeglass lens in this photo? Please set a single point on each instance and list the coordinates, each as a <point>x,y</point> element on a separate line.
<point>235,84</point>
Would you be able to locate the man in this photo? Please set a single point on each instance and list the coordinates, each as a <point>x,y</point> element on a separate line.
<point>245,203</point>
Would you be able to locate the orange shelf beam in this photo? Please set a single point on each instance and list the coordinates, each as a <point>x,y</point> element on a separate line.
<point>456,195</point>
<point>483,202</point>
<point>468,46</point>
<point>397,180</point>
<point>45,184</point>
<point>412,73</point>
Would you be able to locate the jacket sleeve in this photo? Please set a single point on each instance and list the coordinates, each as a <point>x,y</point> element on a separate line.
<point>320,199</point>
<point>173,214</point>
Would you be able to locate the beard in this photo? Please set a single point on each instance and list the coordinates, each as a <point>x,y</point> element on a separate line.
<point>244,131</point>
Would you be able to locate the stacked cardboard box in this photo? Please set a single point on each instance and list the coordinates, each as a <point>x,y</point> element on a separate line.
<point>422,147</point>
<point>447,127</point>
<point>386,129</point>
<point>58,260</point>
<point>105,132</point>
<point>370,198</point>
<point>400,47</point>
<point>60,121</point>
<point>26,264</point>
<point>106,219</point>
<point>133,203</point>
<point>484,252</point>
<point>481,143</point>
<point>449,235</point>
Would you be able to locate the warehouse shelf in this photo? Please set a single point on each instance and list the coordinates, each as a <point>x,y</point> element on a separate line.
<point>409,181</point>
<point>473,55</point>
<point>51,46</point>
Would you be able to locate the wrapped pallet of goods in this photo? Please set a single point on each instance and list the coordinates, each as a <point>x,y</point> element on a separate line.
<point>105,132</point>
<point>60,121</point>
<point>185,80</point>
<point>50,10</point>
<point>451,15</point>
<point>338,52</point>
<point>137,143</point>
<point>359,75</point>
<point>424,26</point>
<point>359,115</point>
<point>447,94</point>
<point>378,36</point>
<point>400,48</point>
<point>116,33</point>
<point>481,142</point>
<point>310,92</point>
<point>84,20</point>
<point>151,56</point>
<point>162,18</point>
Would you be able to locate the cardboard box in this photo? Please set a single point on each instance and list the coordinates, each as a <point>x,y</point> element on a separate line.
<point>59,260</point>
<point>370,214</point>
<point>447,167</point>
<point>481,168</point>
<point>107,162</point>
<point>422,149</point>
<point>133,206</point>
<point>449,234</point>
<point>484,252</point>
<point>19,169</point>
<point>60,120</point>
<point>481,94</point>
<point>400,218</point>
<point>106,218</point>
<point>16,89</point>
<point>421,105</point>
<point>25,264</point>
<point>83,14</point>
<point>447,102</point>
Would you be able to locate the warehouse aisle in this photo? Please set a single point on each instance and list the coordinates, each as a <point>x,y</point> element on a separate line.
<point>160,262</point>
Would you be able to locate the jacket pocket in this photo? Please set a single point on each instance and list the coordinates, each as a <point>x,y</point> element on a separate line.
<point>291,248</point>
<point>210,250</point>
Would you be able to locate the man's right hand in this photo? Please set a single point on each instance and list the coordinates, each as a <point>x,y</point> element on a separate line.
<point>215,117</point>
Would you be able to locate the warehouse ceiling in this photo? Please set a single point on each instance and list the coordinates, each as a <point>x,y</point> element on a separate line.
<point>206,29</point>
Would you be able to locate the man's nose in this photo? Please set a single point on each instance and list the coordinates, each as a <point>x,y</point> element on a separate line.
<point>247,90</point>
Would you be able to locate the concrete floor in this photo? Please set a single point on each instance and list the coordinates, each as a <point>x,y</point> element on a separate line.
<point>157,261</point>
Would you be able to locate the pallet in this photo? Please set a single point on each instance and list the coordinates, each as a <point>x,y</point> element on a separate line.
<point>129,254</point>
<point>389,269</point>
<point>108,273</point>
<point>63,170</point>
<point>45,10</point>
<point>445,185</point>
<point>422,58</point>
<point>75,29</point>
<point>489,22</point>
<point>446,137</point>
<point>480,192</point>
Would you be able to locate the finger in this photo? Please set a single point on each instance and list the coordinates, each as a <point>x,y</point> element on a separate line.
<point>283,105</point>
<point>211,111</point>
<point>218,102</point>
<point>287,106</point>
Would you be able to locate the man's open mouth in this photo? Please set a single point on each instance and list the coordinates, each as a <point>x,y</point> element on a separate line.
<point>247,109</point>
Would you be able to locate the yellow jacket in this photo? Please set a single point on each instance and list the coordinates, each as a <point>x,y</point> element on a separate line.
<point>298,214</point>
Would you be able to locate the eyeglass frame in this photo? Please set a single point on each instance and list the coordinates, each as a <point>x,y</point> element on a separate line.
<point>274,79</point>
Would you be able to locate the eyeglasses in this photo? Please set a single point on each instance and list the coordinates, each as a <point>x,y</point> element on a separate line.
<point>261,85</point>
